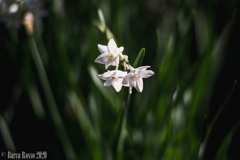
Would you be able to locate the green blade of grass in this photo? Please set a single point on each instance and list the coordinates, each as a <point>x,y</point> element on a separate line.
<point>139,59</point>
<point>104,29</point>
<point>88,130</point>
<point>6,135</point>
<point>57,120</point>
<point>36,101</point>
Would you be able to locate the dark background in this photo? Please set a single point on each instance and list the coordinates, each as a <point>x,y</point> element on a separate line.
<point>188,110</point>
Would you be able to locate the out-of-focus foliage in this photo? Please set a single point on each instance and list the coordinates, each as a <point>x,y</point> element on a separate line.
<point>54,102</point>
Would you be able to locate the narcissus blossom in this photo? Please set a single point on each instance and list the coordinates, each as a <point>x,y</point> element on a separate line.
<point>110,54</point>
<point>135,78</point>
<point>127,75</point>
<point>113,78</point>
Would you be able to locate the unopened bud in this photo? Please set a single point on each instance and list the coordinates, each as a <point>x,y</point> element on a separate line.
<point>28,21</point>
<point>125,57</point>
<point>125,66</point>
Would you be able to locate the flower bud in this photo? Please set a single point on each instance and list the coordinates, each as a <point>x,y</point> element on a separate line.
<point>28,21</point>
<point>125,57</point>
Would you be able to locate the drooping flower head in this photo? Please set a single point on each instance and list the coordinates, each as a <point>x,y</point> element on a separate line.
<point>113,78</point>
<point>135,78</point>
<point>109,54</point>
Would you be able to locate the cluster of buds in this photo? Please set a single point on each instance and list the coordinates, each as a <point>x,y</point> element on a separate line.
<point>130,77</point>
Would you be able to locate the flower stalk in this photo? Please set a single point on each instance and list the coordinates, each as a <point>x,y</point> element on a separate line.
<point>119,141</point>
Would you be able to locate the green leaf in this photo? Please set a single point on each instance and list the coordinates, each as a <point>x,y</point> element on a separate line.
<point>139,59</point>
<point>104,29</point>
<point>102,26</point>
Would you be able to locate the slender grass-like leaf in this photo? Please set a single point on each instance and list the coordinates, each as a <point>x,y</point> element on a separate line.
<point>36,101</point>
<point>222,151</point>
<point>102,26</point>
<point>139,59</point>
<point>105,30</point>
<point>6,134</point>
<point>86,126</point>
<point>68,149</point>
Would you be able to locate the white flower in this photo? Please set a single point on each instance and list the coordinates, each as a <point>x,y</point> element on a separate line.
<point>110,54</point>
<point>135,78</point>
<point>113,78</point>
<point>13,8</point>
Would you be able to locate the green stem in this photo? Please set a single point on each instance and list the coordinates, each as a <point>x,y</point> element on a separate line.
<point>120,134</point>
<point>57,120</point>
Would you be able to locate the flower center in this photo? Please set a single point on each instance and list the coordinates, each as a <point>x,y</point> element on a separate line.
<point>113,78</point>
<point>135,77</point>
<point>111,56</point>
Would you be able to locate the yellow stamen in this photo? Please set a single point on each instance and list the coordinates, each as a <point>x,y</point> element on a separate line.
<point>135,77</point>
<point>113,78</point>
<point>111,56</point>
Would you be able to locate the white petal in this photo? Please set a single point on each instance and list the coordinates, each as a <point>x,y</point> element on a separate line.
<point>112,46</point>
<point>126,85</point>
<point>126,80</point>
<point>132,69</point>
<point>121,74</point>
<point>119,50</point>
<point>146,73</point>
<point>130,90</point>
<point>115,62</point>
<point>133,84</point>
<point>105,75</point>
<point>114,74</point>
<point>142,68</point>
<point>108,73</point>
<point>107,64</point>
<point>139,85</point>
<point>102,58</point>
<point>102,48</point>
<point>107,83</point>
<point>101,76</point>
<point>117,86</point>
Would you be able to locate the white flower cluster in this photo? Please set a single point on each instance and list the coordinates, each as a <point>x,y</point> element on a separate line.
<point>130,77</point>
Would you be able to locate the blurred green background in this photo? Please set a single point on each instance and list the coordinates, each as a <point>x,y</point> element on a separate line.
<point>51,99</point>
